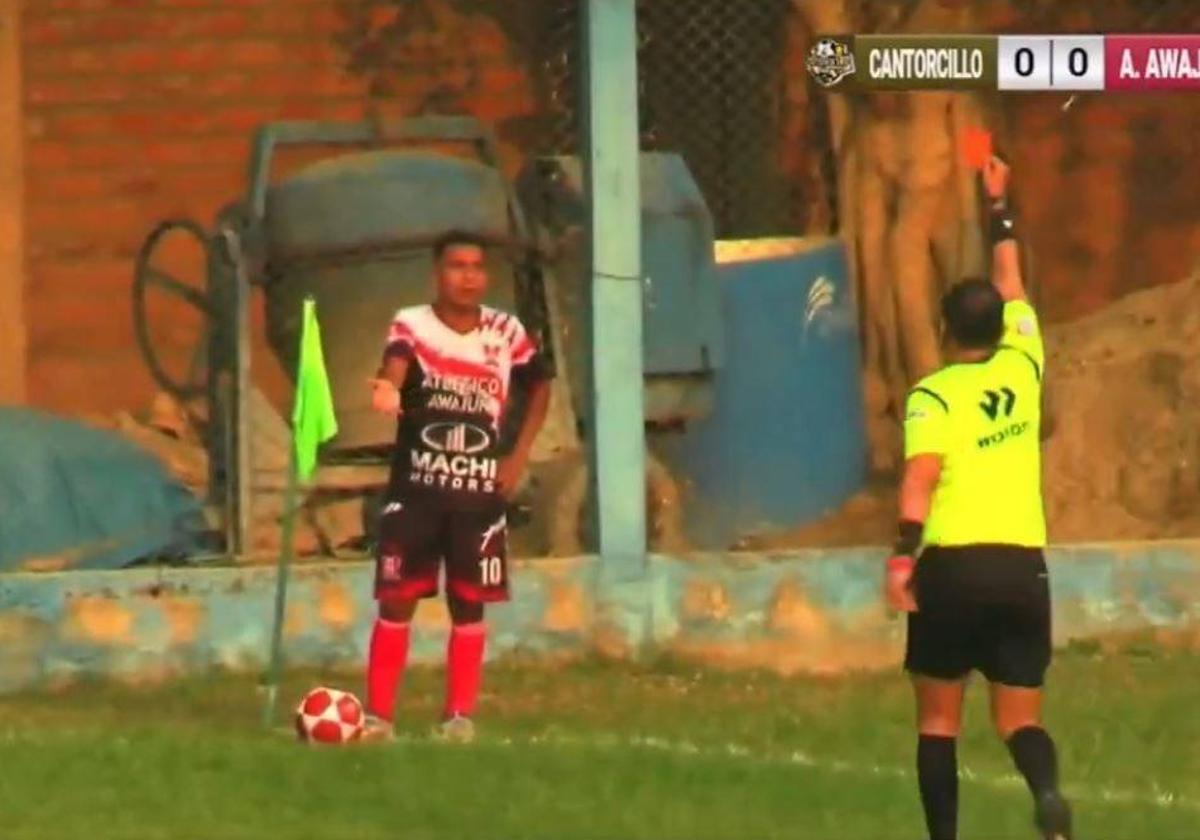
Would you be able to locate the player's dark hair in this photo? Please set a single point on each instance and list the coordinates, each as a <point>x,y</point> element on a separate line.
<point>451,238</point>
<point>974,314</point>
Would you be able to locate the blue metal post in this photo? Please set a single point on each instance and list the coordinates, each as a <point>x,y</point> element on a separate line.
<point>618,446</point>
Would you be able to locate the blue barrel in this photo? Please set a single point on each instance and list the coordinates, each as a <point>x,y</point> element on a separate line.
<point>786,440</point>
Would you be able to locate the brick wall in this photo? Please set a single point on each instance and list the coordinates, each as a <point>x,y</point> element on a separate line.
<point>136,112</point>
<point>139,111</point>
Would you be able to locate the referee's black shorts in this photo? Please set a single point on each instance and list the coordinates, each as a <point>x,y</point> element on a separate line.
<point>981,607</point>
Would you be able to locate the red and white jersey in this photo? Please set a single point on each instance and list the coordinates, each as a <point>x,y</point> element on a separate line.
<point>455,399</point>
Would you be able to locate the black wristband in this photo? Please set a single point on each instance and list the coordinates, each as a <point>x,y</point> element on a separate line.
<point>908,538</point>
<point>1000,224</point>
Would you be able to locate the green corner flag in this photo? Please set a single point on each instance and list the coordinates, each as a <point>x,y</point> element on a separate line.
<point>313,423</point>
<point>313,420</point>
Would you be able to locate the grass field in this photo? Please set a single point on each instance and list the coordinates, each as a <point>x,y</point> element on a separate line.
<point>594,750</point>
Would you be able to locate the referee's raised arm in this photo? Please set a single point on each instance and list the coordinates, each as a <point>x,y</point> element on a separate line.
<point>1006,265</point>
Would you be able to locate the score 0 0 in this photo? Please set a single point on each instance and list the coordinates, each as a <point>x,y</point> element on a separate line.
<point>1031,62</point>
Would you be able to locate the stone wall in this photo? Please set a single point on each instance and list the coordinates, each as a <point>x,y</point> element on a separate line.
<point>794,612</point>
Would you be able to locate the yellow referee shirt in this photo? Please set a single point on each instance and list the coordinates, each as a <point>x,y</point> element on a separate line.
<point>984,419</point>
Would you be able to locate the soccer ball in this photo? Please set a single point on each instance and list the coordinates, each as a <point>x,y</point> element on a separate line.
<point>825,48</point>
<point>329,716</point>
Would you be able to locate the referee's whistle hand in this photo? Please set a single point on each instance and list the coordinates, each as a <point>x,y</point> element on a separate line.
<point>898,589</point>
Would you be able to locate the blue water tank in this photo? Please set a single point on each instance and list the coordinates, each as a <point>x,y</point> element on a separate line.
<point>785,442</point>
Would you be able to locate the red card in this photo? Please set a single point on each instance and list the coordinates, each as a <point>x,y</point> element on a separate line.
<point>977,147</point>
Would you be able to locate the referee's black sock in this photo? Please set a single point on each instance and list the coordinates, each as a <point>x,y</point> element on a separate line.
<point>937,775</point>
<point>1033,752</point>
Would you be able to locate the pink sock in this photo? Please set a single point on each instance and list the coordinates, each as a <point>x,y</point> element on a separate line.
<point>385,666</point>
<point>464,668</point>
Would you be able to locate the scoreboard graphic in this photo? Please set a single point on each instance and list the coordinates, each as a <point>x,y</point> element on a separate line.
<point>1006,62</point>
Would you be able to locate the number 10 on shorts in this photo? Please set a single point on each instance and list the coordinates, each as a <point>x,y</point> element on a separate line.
<point>1067,62</point>
<point>491,571</point>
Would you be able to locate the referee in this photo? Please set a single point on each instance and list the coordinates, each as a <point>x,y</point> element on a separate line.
<point>979,598</point>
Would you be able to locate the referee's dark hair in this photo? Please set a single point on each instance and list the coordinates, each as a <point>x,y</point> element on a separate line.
<point>974,314</point>
<point>457,237</point>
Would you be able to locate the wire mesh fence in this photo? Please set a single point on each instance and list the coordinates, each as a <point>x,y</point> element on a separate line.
<point>712,86</point>
<point>718,82</point>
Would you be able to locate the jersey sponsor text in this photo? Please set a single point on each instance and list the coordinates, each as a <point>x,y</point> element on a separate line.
<point>1005,434</point>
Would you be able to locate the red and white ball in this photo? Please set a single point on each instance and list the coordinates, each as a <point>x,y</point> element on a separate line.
<point>329,716</point>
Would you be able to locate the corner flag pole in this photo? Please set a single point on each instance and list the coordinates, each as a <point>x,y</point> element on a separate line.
<point>281,582</point>
<point>313,423</point>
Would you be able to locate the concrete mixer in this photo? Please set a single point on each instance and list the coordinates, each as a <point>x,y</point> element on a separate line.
<point>353,229</point>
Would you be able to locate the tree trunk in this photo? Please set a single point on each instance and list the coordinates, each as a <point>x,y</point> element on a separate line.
<point>907,214</point>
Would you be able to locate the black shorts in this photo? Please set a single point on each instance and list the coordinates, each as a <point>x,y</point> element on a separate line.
<point>417,534</point>
<point>981,607</point>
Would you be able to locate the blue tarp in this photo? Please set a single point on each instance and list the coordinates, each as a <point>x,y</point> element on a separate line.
<point>86,496</point>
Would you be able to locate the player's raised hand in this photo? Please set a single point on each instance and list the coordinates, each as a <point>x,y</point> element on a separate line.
<point>995,178</point>
<point>385,397</point>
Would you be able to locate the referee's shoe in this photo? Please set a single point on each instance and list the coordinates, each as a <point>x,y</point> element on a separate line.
<point>1053,816</point>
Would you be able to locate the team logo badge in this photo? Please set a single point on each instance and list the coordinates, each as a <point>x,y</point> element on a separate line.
<point>830,61</point>
<point>390,566</point>
<point>821,296</point>
<point>491,355</point>
<point>458,438</point>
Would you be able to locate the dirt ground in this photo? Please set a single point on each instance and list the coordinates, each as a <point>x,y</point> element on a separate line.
<point>1122,454</point>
